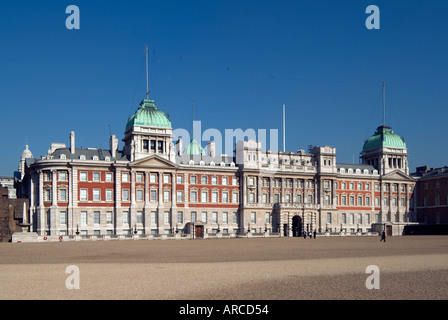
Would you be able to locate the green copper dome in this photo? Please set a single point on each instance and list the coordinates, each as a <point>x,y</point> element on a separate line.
<point>148,115</point>
<point>384,137</point>
<point>194,148</point>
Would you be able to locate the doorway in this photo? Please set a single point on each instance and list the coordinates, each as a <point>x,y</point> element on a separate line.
<point>199,231</point>
<point>296,226</point>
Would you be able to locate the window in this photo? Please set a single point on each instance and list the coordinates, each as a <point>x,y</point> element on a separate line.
<point>203,179</point>
<point>153,195</point>
<point>193,196</point>
<point>344,218</point>
<point>109,217</point>
<point>359,201</point>
<point>351,186</point>
<point>125,195</point>
<point>367,186</point>
<point>310,198</point>
<point>152,217</point>
<point>225,218</point>
<point>352,200</point>
<point>344,200</point>
<point>251,181</point>
<point>83,176</point>
<point>276,198</point>
<point>377,201</point>
<point>96,176</point>
<point>343,185</point>
<point>139,195</point>
<point>193,180</point>
<point>251,198</point>
<point>234,181</point>
<point>139,177</point>
<point>214,217</point>
<point>125,177</point>
<point>180,217</point>
<point>394,202</point>
<point>328,217</point>
<point>225,181</point>
<point>352,218</point>
<point>180,178</point>
<point>166,178</point>
<point>62,176</point>
<point>63,217</point>
<point>166,196</point>
<point>299,198</point>
<point>367,201</point>
<point>359,186</point>
<point>139,216</point>
<point>326,184</point>
<point>235,217</point>
<point>204,196</point>
<point>265,198</point>
<point>225,197</point>
<point>327,199</point>
<point>287,198</point>
<point>204,217</point>
<point>96,195</point>
<point>367,218</point>
<point>96,217</point>
<point>386,201</point>
<point>83,217</point>
<point>253,217</point>
<point>377,187</point>
<point>180,196</point>
<point>234,197</point>
<point>125,217</point>
<point>193,216</point>
<point>403,202</point>
<point>108,177</point>
<point>146,145</point>
<point>62,194</point>
<point>214,197</point>
<point>152,178</point>
<point>267,217</point>
<point>214,180</point>
<point>83,195</point>
<point>359,218</point>
<point>377,217</point>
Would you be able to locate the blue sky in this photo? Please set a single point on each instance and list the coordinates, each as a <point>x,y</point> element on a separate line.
<point>239,60</point>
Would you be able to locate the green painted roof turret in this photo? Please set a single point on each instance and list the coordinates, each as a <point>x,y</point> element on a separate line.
<point>194,148</point>
<point>148,115</point>
<point>384,137</point>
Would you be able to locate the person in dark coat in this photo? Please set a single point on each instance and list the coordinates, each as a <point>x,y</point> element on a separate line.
<point>314,234</point>
<point>383,236</point>
<point>304,234</point>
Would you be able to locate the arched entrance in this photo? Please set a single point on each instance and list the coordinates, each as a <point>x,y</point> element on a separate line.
<point>296,226</point>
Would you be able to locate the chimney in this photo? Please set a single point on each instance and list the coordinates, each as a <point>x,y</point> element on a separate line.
<point>72,142</point>
<point>211,149</point>
<point>179,146</point>
<point>113,144</point>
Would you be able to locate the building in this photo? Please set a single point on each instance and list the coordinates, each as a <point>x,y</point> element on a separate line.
<point>11,214</point>
<point>431,193</point>
<point>157,188</point>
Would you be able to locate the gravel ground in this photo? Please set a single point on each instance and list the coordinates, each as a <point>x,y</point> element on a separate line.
<point>411,268</point>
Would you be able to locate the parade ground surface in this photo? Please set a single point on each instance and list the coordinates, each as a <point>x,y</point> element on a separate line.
<point>409,268</point>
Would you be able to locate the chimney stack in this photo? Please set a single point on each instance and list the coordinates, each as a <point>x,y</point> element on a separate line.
<point>72,142</point>
<point>179,146</point>
<point>211,149</point>
<point>113,144</point>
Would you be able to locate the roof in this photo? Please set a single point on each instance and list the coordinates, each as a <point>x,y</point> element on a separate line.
<point>384,137</point>
<point>148,114</point>
<point>88,154</point>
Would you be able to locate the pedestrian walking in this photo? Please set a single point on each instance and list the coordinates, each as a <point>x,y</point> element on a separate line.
<point>304,235</point>
<point>383,236</point>
<point>314,233</point>
<point>310,235</point>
